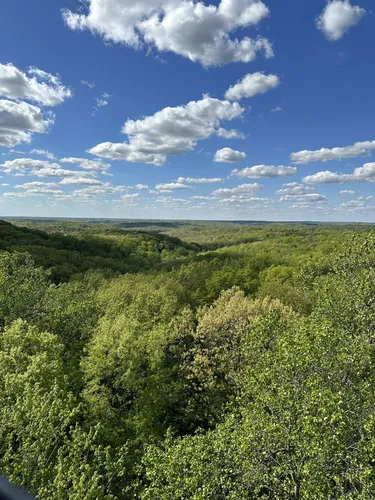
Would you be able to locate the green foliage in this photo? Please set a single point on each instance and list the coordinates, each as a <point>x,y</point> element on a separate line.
<point>35,409</point>
<point>70,256</point>
<point>213,359</point>
<point>238,363</point>
<point>129,383</point>
<point>300,428</point>
<point>22,288</point>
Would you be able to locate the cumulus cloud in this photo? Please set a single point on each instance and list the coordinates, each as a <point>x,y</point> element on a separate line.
<point>251,85</point>
<point>171,186</point>
<point>348,192</point>
<point>133,196</point>
<point>78,180</point>
<point>326,177</point>
<point>38,184</point>
<point>337,17</point>
<point>140,187</point>
<point>87,164</point>
<point>300,195</point>
<point>238,200</point>
<point>53,171</point>
<point>169,132</point>
<point>204,198</point>
<point>305,198</point>
<point>23,165</point>
<point>90,193</point>
<point>338,153</point>
<point>241,190</point>
<point>228,155</point>
<point>199,180</point>
<point>366,198</point>
<point>173,203</point>
<point>294,189</point>
<point>191,29</point>
<point>259,171</point>
<point>34,85</point>
<point>14,195</point>
<point>43,152</point>
<point>353,203</point>
<point>230,134</point>
<point>366,173</point>
<point>277,109</point>
<point>42,168</point>
<point>20,120</point>
<point>40,188</point>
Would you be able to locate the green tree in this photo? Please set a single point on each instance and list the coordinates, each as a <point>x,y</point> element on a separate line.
<point>22,288</point>
<point>36,410</point>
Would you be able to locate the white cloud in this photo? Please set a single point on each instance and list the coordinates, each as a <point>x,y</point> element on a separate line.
<point>353,203</point>
<point>199,180</point>
<point>81,181</point>
<point>348,192</point>
<point>87,164</point>
<point>191,29</point>
<point>169,132</point>
<point>277,109</point>
<point>294,189</point>
<point>305,198</point>
<point>326,177</point>
<point>101,102</point>
<point>203,198</point>
<point>139,186</point>
<point>337,17</point>
<point>251,85</point>
<point>14,195</point>
<point>228,155</point>
<point>17,152</point>
<point>24,165</point>
<point>366,173</point>
<point>338,153</point>
<point>134,196</point>
<point>39,86</point>
<point>300,195</point>
<point>171,186</point>
<point>230,134</point>
<point>173,203</point>
<point>52,172</point>
<point>90,85</point>
<point>239,200</point>
<point>20,120</point>
<point>89,193</point>
<point>40,188</point>
<point>259,171</point>
<point>42,168</point>
<point>29,185</point>
<point>366,198</point>
<point>43,152</point>
<point>241,190</point>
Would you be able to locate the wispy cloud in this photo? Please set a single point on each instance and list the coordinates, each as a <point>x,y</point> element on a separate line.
<point>101,102</point>
<point>90,85</point>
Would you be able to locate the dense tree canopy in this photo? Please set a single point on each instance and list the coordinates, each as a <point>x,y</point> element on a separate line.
<point>191,362</point>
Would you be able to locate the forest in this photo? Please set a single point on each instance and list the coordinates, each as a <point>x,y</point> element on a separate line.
<point>166,360</point>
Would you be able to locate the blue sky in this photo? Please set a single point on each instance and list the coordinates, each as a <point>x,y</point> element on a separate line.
<point>290,78</point>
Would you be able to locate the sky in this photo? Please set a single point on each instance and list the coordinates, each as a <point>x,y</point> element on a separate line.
<point>174,109</point>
